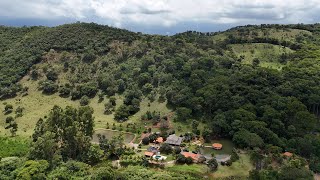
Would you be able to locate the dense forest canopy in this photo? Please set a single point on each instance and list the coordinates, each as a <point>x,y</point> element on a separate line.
<point>199,74</point>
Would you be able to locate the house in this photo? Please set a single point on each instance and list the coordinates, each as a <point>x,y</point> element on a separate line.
<point>148,154</point>
<point>288,154</point>
<point>174,140</point>
<point>159,140</point>
<point>195,157</point>
<point>152,149</point>
<point>217,146</point>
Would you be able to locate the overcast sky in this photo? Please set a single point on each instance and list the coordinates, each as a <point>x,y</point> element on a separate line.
<point>160,16</point>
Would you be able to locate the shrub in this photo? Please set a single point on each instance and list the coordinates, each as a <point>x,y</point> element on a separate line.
<point>84,101</point>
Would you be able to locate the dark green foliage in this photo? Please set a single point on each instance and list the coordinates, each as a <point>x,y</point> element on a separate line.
<point>13,147</point>
<point>165,148</point>
<point>8,109</point>
<point>84,100</point>
<point>70,170</point>
<point>19,111</point>
<point>52,75</point>
<point>146,140</point>
<point>11,125</point>
<point>33,170</point>
<point>213,164</point>
<point>244,138</point>
<point>71,127</point>
<point>48,87</point>
<point>103,173</point>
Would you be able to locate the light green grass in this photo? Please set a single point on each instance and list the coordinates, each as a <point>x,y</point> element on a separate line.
<point>239,168</point>
<point>268,54</point>
<point>37,105</point>
<point>197,169</point>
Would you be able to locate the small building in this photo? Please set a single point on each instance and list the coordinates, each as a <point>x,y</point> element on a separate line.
<point>159,140</point>
<point>152,149</point>
<point>217,146</point>
<point>288,154</point>
<point>195,157</point>
<point>159,157</point>
<point>174,140</point>
<point>148,154</point>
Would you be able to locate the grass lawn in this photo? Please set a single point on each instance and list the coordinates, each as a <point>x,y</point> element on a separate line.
<point>194,169</point>
<point>239,168</point>
<point>268,54</point>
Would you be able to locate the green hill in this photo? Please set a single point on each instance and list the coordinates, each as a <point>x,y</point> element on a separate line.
<point>254,85</point>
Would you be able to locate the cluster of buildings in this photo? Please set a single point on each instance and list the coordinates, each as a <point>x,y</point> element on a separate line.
<point>174,140</point>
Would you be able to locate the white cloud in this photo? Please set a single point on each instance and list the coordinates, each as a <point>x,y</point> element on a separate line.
<point>166,12</point>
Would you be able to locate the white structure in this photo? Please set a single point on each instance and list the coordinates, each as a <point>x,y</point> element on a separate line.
<point>159,157</point>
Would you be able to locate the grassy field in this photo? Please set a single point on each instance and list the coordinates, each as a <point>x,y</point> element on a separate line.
<point>37,105</point>
<point>239,168</point>
<point>268,54</point>
<point>194,169</point>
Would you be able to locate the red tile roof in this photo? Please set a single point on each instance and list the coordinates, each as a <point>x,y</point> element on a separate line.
<point>159,140</point>
<point>148,153</point>
<point>192,155</point>
<point>288,154</point>
<point>217,146</point>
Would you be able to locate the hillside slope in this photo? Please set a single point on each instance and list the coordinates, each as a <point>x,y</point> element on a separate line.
<point>256,85</point>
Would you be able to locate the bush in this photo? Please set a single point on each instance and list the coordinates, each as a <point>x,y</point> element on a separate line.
<point>8,109</point>
<point>145,140</point>
<point>84,101</point>
<point>165,148</point>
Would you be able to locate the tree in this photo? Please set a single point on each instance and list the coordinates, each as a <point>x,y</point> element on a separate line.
<point>213,164</point>
<point>177,150</point>
<point>165,148</point>
<point>145,140</point>
<point>52,75</point>
<point>84,101</point>
<point>122,113</point>
<point>244,138</point>
<point>48,87</point>
<point>108,108</point>
<point>8,109</point>
<point>113,100</point>
<point>183,113</point>
<point>103,173</point>
<point>33,170</point>
<point>19,111</point>
<point>66,132</point>
<point>12,125</point>
<point>255,62</point>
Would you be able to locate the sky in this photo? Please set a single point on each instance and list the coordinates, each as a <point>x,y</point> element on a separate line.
<point>160,16</point>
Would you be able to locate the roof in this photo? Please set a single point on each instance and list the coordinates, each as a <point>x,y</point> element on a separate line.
<point>160,140</point>
<point>174,140</point>
<point>217,146</point>
<point>152,149</point>
<point>192,155</point>
<point>148,153</point>
<point>288,154</point>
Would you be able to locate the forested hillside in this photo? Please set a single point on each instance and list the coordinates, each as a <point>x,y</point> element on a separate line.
<point>256,85</point>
